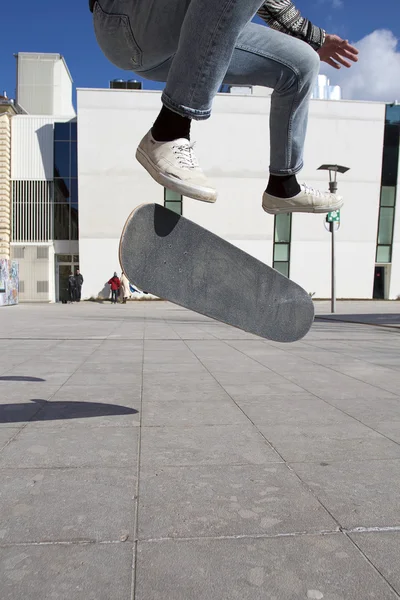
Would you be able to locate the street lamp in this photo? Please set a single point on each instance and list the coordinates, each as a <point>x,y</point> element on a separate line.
<point>333,218</point>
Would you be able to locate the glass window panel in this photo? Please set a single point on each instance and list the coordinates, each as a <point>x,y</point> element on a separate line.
<point>62,160</point>
<point>393,113</point>
<point>282,228</point>
<point>383,254</point>
<point>174,206</point>
<point>170,195</point>
<point>62,190</point>
<point>64,258</point>
<point>74,131</point>
<point>61,221</point>
<point>76,258</point>
<point>390,160</point>
<point>73,186</point>
<point>281,252</point>
<point>74,160</point>
<point>62,131</point>
<point>385,225</point>
<point>74,223</point>
<point>282,267</point>
<point>388,195</point>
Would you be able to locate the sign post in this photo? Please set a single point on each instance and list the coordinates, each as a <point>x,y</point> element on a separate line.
<point>333,218</point>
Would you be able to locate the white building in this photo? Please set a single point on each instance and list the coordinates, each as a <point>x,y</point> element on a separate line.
<point>323,90</point>
<point>44,232</point>
<point>233,149</point>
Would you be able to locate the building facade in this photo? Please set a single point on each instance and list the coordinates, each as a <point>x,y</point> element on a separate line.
<point>44,189</point>
<point>233,149</point>
<point>57,157</point>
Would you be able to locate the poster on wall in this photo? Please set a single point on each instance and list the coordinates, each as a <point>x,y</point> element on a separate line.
<point>9,282</point>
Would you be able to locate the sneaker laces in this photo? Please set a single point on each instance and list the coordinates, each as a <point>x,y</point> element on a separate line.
<point>185,155</point>
<point>310,191</point>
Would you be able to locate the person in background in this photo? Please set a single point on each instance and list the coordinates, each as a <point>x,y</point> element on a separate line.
<point>79,283</point>
<point>115,284</point>
<point>72,288</point>
<point>124,288</point>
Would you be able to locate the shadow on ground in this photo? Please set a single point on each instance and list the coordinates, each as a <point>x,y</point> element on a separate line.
<point>368,319</point>
<point>20,378</point>
<point>53,411</point>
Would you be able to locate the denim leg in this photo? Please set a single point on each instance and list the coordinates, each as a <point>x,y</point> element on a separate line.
<point>290,67</point>
<point>224,48</point>
<point>272,59</point>
<point>206,44</point>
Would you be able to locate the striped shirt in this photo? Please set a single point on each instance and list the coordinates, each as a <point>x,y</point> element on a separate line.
<point>284,16</point>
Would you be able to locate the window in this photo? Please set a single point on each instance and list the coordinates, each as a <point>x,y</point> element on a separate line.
<point>387,205</point>
<point>64,258</point>
<point>282,237</point>
<point>173,201</point>
<point>65,181</point>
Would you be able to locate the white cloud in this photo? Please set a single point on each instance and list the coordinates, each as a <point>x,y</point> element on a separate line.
<point>376,76</point>
<point>332,3</point>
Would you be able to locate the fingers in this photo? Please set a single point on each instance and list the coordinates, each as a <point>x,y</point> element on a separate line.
<point>331,62</point>
<point>349,48</point>
<point>341,60</point>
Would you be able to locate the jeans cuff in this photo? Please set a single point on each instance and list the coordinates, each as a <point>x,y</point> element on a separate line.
<point>185,111</point>
<point>282,172</point>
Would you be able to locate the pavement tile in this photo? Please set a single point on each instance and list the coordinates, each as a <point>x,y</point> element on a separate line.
<point>125,394</point>
<point>391,429</point>
<point>82,377</point>
<point>227,500</point>
<point>184,412</point>
<point>6,434</point>
<point>293,568</point>
<point>57,572</point>
<point>291,410</point>
<point>383,550</point>
<point>76,446</point>
<point>357,494</point>
<point>205,445</point>
<point>39,505</point>
<point>343,440</point>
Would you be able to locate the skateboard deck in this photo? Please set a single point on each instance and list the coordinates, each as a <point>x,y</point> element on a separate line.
<point>177,260</point>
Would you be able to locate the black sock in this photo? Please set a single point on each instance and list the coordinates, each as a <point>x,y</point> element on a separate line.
<point>170,126</point>
<point>283,186</point>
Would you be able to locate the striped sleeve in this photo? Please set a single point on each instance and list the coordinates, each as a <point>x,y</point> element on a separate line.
<point>284,16</point>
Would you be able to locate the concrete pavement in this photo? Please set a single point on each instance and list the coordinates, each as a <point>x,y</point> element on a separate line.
<point>149,453</point>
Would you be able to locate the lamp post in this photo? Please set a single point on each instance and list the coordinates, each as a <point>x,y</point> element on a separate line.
<point>333,218</point>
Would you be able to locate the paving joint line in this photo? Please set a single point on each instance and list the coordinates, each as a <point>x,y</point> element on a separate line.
<point>323,399</point>
<point>303,484</point>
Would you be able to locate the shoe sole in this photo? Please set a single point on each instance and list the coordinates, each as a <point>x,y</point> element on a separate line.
<point>303,209</point>
<point>176,185</point>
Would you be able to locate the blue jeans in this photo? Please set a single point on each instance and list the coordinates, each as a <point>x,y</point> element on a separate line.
<point>196,45</point>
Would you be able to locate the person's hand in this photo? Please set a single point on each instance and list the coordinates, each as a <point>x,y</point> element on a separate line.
<point>337,52</point>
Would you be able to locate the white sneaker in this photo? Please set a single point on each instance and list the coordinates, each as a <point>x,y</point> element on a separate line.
<point>174,165</point>
<point>307,200</point>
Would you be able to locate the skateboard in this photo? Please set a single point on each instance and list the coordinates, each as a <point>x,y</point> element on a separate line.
<point>175,259</point>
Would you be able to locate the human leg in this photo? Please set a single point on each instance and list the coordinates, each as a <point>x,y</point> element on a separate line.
<point>228,47</point>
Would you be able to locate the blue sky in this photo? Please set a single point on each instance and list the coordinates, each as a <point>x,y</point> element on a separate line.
<point>66,28</point>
